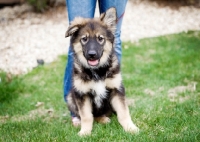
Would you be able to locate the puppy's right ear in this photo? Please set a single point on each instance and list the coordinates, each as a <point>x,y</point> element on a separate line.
<point>75,25</point>
<point>71,30</point>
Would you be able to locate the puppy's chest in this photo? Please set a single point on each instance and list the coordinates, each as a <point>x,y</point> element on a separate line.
<point>96,85</point>
<point>98,92</point>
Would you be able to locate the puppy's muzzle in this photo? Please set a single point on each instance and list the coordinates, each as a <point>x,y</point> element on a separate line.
<point>92,57</point>
<point>92,54</point>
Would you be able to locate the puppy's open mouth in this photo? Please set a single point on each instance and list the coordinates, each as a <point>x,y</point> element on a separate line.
<point>93,62</point>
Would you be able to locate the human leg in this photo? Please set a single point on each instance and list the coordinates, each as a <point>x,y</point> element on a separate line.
<point>76,8</point>
<point>120,6</point>
<point>80,8</point>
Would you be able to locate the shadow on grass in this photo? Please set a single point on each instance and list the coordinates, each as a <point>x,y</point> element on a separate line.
<point>10,87</point>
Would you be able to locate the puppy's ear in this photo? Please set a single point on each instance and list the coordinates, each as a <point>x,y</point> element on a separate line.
<point>110,18</point>
<point>75,25</point>
<point>71,30</point>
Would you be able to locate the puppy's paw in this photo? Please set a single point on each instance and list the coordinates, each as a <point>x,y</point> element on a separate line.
<point>103,119</point>
<point>132,128</point>
<point>84,133</point>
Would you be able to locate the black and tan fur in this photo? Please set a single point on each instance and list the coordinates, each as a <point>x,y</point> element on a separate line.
<point>97,83</point>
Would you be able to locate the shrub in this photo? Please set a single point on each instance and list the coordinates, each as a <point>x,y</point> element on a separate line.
<point>180,2</point>
<point>39,5</point>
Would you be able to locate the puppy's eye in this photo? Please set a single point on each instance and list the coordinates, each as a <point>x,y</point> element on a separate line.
<point>100,39</point>
<point>84,39</point>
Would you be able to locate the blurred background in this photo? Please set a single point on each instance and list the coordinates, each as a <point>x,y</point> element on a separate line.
<point>32,31</point>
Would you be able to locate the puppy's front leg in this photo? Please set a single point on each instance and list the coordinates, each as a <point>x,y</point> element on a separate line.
<point>119,105</point>
<point>85,111</point>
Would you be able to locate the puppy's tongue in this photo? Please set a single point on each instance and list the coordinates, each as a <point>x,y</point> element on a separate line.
<point>93,62</point>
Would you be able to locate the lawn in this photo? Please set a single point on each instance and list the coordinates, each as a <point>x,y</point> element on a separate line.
<point>162,80</point>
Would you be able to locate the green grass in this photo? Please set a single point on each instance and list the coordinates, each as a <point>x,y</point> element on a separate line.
<point>150,69</point>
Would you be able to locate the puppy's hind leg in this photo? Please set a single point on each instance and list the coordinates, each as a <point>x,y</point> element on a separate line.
<point>102,119</point>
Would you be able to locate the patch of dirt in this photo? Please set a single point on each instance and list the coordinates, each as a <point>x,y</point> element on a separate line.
<point>3,119</point>
<point>40,111</point>
<point>173,93</point>
<point>152,93</point>
<point>130,102</point>
<point>149,92</point>
<point>30,116</point>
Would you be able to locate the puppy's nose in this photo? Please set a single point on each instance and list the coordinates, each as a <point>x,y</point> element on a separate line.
<point>92,54</point>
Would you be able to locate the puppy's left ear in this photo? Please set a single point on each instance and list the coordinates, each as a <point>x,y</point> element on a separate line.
<point>110,18</point>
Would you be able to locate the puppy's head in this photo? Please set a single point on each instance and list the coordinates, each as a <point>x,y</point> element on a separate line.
<point>92,39</point>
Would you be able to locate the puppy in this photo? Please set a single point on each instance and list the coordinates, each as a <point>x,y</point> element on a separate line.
<point>97,88</point>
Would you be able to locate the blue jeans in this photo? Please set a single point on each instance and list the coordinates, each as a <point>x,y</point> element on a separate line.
<point>86,9</point>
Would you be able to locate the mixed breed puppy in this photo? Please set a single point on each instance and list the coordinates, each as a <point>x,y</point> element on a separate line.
<point>97,82</point>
